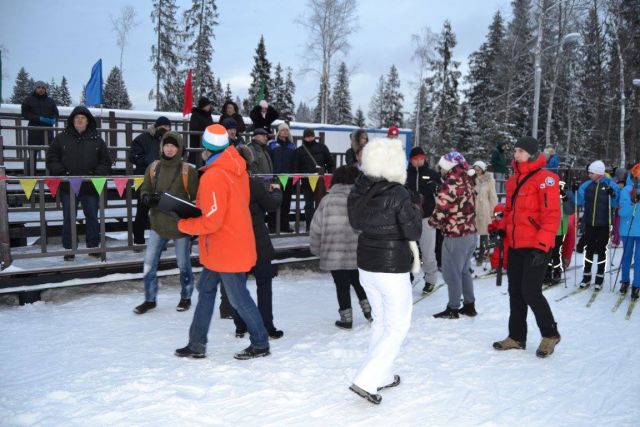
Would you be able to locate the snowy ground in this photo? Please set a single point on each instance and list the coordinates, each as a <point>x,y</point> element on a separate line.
<point>84,358</point>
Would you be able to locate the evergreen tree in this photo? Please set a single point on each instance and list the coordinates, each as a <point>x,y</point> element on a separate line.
<point>217,96</point>
<point>340,106</point>
<point>199,21</point>
<point>287,112</point>
<point>422,120</point>
<point>277,90</point>
<point>445,85</point>
<point>83,94</point>
<point>228,95</point>
<point>466,140</point>
<point>303,113</point>
<point>323,91</point>
<point>393,100</point>
<point>115,92</point>
<point>377,112</point>
<point>22,88</point>
<point>54,92</point>
<point>240,103</point>
<point>168,92</point>
<point>64,94</point>
<point>261,78</point>
<point>359,120</point>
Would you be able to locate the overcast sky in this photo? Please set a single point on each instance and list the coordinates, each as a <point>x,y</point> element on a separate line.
<point>66,37</point>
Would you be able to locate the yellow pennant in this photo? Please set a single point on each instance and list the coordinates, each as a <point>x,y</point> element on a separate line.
<point>27,186</point>
<point>313,181</point>
<point>137,182</point>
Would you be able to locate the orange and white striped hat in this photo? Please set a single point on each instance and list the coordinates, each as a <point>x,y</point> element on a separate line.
<point>215,138</point>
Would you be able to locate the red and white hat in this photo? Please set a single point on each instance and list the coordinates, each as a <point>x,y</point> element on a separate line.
<point>393,131</point>
<point>215,138</point>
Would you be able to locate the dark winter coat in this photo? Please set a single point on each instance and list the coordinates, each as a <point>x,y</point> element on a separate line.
<point>350,155</point>
<point>263,122</point>
<point>198,122</point>
<point>235,116</point>
<point>499,160</point>
<point>454,212</point>
<point>593,195</point>
<point>83,154</point>
<point>424,181</point>
<point>145,148</point>
<point>388,220</point>
<point>320,160</point>
<point>261,159</point>
<point>168,179</point>
<point>34,107</point>
<point>262,201</point>
<point>282,153</point>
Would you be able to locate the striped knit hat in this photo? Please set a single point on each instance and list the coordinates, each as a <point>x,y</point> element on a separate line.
<point>451,159</point>
<point>215,138</point>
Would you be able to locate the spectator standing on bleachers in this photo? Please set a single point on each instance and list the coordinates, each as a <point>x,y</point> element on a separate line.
<point>263,115</point>
<point>145,149</point>
<point>230,109</point>
<point>231,125</point>
<point>359,139</point>
<point>282,151</point>
<point>39,110</point>
<point>261,159</point>
<point>499,165</point>
<point>553,160</point>
<point>170,175</point>
<point>200,119</point>
<point>79,151</point>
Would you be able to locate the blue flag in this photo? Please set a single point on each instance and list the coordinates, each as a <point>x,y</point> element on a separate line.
<point>93,90</point>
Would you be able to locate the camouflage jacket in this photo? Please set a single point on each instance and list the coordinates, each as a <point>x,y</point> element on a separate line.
<point>454,213</point>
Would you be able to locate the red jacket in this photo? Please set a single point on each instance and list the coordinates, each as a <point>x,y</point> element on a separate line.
<point>532,220</point>
<point>227,243</point>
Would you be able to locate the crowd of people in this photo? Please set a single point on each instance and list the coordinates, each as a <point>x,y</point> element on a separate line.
<point>386,221</point>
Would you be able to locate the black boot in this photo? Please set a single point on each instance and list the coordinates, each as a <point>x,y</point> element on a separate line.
<point>428,288</point>
<point>184,304</point>
<point>187,352</point>
<point>634,293</point>
<point>251,353</point>
<point>448,313</point>
<point>468,309</point>
<point>346,319</point>
<point>275,334</point>
<point>394,383</point>
<point>373,398</point>
<point>144,307</point>
<point>624,287</point>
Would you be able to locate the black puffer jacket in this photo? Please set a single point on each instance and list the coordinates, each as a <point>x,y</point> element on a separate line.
<point>262,201</point>
<point>425,181</point>
<point>304,163</point>
<point>198,122</point>
<point>34,107</point>
<point>83,154</point>
<point>383,211</point>
<point>145,148</point>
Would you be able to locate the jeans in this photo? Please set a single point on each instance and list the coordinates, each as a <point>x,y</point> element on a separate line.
<point>90,209</point>
<point>630,242</point>
<point>263,274</point>
<point>344,279</point>
<point>152,258</point>
<point>235,285</point>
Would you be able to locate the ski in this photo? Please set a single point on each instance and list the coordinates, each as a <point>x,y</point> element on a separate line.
<point>632,304</point>
<point>423,296</point>
<point>618,303</point>
<point>549,285</point>
<point>594,295</point>
<point>572,293</point>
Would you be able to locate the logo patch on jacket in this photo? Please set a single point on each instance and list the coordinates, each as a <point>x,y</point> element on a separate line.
<point>549,181</point>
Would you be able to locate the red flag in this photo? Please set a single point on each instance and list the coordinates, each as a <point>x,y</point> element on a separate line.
<point>188,96</point>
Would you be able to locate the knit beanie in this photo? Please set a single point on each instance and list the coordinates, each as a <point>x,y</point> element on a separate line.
<point>230,123</point>
<point>528,144</point>
<point>451,160</point>
<point>203,101</point>
<point>215,138</point>
<point>482,165</point>
<point>635,171</point>
<point>393,131</point>
<point>597,167</point>
<point>417,153</point>
<point>162,121</point>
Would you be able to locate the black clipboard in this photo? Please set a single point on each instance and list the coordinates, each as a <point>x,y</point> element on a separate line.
<point>174,206</point>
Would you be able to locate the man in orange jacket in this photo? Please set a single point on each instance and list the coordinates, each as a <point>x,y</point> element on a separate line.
<point>227,244</point>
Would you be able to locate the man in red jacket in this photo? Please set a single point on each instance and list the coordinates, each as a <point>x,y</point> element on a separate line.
<point>531,220</point>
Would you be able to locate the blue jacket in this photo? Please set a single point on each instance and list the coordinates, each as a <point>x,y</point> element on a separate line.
<point>629,211</point>
<point>597,203</point>
<point>553,163</point>
<point>282,153</point>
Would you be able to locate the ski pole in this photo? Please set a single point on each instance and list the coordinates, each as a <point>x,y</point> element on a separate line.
<point>575,237</point>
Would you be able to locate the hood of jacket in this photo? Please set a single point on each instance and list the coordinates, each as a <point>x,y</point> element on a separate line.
<point>178,157</point>
<point>355,139</point>
<point>223,112</point>
<point>230,161</point>
<point>385,158</point>
<point>526,167</point>
<point>341,189</point>
<point>91,126</point>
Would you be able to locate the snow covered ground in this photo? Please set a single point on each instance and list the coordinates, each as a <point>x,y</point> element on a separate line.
<point>84,358</point>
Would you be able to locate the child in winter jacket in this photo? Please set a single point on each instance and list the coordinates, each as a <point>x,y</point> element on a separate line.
<point>494,226</point>
<point>630,231</point>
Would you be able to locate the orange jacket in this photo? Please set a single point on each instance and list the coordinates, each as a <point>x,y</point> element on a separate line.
<point>227,243</point>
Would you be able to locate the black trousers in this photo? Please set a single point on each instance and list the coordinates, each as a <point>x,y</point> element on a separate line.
<point>596,239</point>
<point>555,266</point>
<point>264,278</point>
<point>344,279</point>
<point>525,290</point>
<point>140,222</point>
<point>309,202</point>
<point>285,210</point>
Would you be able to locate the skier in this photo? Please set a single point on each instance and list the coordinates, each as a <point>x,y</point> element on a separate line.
<point>598,195</point>
<point>530,223</point>
<point>630,231</point>
<point>336,242</point>
<point>567,208</point>
<point>381,208</point>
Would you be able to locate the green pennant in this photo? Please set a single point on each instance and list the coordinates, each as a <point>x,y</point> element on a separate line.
<point>283,180</point>
<point>99,183</point>
<point>261,91</point>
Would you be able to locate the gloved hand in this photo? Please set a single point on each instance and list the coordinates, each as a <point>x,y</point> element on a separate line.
<point>563,195</point>
<point>610,191</point>
<point>501,233</point>
<point>575,187</point>
<point>47,120</point>
<point>538,257</point>
<point>151,200</point>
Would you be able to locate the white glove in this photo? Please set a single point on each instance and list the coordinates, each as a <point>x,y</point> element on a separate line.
<point>415,267</point>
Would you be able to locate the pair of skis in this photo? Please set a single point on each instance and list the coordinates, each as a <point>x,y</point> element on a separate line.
<point>632,304</point>
<point>423,296</point>
<point>595,294</point>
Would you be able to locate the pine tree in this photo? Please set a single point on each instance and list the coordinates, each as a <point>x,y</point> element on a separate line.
<point>217,96</point>
<point>54,92</point>
<point>22,88</point>
<point>168,92</point>
<point>64,94</point>
<point>376,105</point>
<point>228,95</point>
<point>287,112</point>
<point>393,100</point>
<point>277,90</point>
<point>359,120</point>
<point>340,106</point>
<point>423,117</point>
<point>466,140</point>
<point>323,91</point>
<point>445,85</point>
<point>240,103</point>
<point>303,113</point>
<point>115,91</point>
<point>199,21</point>
<point>261,77</point>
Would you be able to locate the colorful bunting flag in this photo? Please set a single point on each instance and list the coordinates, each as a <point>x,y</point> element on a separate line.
<point>121,184</point>
<point>53,184</point>
<point>327,180</point>
<point>98,183</point>
<point>137,182</point>
<point>283,180</point>
<point>296,178</point>
<point>27,186</point>
<point>3,178</point>
<point>75,183</point>
<point>313,182</point>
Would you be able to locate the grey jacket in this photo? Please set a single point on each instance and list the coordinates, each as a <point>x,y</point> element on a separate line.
<point>262,160</point>
<point>332,237</point>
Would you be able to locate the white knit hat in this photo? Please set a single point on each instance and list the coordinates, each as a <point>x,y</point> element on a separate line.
<point>215,138</point>
<point>482,165</point>
<point>597,167</point>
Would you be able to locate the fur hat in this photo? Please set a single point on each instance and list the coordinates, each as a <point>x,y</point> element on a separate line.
<point>215,138</point>
<point>451,160</point>
<point>597,167</point>
<point>385,158</point>
<point>246,153</point>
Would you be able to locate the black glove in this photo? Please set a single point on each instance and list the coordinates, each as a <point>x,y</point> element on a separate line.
<point>563,195</point>
<point>610,191</point>
<point>151,200</point>
<point>538,257</point>
<point>575,187</point>
<point>501,233</point>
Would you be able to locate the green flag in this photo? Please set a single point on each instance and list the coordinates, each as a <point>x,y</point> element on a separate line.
<point>261,91</point>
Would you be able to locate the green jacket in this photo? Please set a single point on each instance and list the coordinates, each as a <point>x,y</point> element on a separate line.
<point>499,161</point>
<point>168,179</point>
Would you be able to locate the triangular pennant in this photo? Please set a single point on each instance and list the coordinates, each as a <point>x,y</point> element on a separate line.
<point>28,185</point>
<point>121,184</point>
<point>75,183</point>
<point>3,178</point>
<point>98,183</point>
<point>283,180</point>
<point>137,182</point>
<point>296,178</point>
<point>327,180</point>
<point>313,181</point>
<point>53,184</point>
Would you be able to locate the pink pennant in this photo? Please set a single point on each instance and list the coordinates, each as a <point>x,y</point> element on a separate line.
<point>53,184</point>
<point>121,184</point>
<point>327,180</point>
<point>296,178</point>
